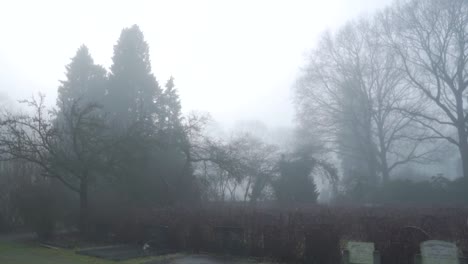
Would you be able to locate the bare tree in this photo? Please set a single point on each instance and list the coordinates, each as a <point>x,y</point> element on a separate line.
<point>214,161</point>
<point>431,39</point>
<point>242,164</point>
<point>69,146</point>
<point>350,94</point>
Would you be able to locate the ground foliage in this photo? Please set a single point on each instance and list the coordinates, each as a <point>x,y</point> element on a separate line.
<point>304,234</point>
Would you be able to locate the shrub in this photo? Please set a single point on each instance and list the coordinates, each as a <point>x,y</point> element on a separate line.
<point>3,224</point>
<point>38,206</point>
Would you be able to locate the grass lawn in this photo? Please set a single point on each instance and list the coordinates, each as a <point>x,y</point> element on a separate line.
<point>16,253</point>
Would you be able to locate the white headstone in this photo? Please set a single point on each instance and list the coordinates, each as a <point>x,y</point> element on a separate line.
<point>360,252</point>
<point>439,252</point>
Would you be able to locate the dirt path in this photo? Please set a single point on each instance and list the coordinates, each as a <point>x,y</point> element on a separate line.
<point>201,260</point>
<point>206,259</point>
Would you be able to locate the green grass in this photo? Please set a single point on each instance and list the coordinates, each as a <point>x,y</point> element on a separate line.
<point>16,253</point>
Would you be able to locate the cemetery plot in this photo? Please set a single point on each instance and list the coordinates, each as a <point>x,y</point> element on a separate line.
<point>121,252</point>
<point>157,239</point>
<point>156,243</point>
<point>116,253</point>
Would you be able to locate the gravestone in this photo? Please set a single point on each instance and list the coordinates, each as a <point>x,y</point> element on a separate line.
<point>439,252</point>
<point>361,253</point>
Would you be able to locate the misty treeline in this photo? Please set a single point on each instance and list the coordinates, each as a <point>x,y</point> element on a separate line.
<point>117,140</point>
<point>387,93</point>
<point>379,97</point>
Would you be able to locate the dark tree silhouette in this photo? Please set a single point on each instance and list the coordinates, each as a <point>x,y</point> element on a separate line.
<point>71,150</point>
<point>133,91</point>
<point>295,184</point>
<point>85,82</point>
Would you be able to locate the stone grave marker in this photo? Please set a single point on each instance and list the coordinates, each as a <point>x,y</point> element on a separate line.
<point>361,253</point>
<point>439,252</point>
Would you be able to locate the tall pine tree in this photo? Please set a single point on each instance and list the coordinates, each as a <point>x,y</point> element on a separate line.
<point>171,114</point>
<point>152,164</point>
<point>176,141</point>
<point>133,90</point>
<point>85,81</point>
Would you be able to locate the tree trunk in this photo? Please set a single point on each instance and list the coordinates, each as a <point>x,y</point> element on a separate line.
<point>83,225</point>
<point>462,134</point>
<point>246,193</point>
<point>385,171</point>
<point>463,147</point>
<point>384,165</point>
<point>464,157</point>
<point>383,155</point>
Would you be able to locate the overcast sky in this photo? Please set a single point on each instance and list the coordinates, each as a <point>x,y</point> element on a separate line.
<point>235,59</point>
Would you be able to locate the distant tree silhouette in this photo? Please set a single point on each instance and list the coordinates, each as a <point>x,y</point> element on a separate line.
<point>85,81</point>
<point>430,39</point>
<point>350,96</point>
<point>153,167</point>
<point>295,184</point>
<point>133,91</point>
<point>171,115</point>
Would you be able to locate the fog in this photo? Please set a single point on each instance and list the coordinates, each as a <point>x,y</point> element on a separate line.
<point>237,60</point>
<point>252,131</point>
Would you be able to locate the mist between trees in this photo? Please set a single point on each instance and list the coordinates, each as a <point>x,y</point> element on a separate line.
<point>377,100</point>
